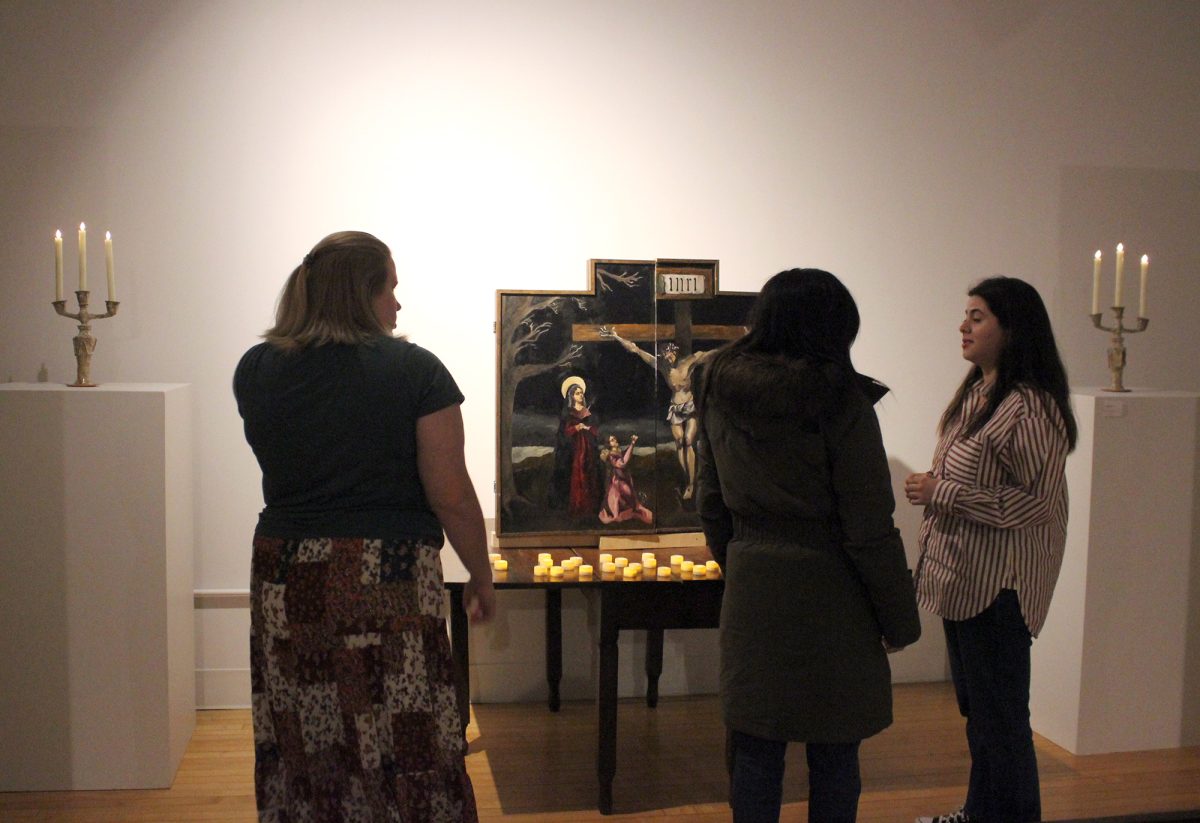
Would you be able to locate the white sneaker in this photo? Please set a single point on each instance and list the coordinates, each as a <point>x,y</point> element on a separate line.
<point>959,816</point>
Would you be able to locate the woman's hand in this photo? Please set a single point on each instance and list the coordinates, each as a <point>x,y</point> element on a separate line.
<point>479,600</point>
<point>919,488</point>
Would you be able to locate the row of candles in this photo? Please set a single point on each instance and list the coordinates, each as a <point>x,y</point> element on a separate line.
<point>1118,299</point>
<point>609,565</point>
<point>58,263</point>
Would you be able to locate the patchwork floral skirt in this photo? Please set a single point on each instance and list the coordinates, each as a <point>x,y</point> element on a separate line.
<point>355,716</point>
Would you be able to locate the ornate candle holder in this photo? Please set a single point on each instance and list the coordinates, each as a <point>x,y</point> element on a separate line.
<point>1116,351</point>
<point>84,342</point>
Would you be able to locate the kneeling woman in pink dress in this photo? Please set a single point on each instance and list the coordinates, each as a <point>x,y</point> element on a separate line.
<point>621,502</point>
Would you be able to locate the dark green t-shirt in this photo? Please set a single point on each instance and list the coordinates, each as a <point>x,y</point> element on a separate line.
<point>334,431</point>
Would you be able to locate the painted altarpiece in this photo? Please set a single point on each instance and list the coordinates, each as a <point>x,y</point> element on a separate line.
<point>595,425</point>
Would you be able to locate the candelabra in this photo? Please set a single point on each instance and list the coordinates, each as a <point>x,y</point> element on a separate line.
<point>84,342</point>
<point>1116,349</point>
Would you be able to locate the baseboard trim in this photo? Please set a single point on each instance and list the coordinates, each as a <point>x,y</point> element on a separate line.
<point>223,688</point>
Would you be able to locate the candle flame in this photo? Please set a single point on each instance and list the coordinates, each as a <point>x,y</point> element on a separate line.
<point>1145,258</point>
<point>58,234</point>
<point>1121,247</point>
<point>108,235</point>
<point>82,227</point>
<point>1097,254</point>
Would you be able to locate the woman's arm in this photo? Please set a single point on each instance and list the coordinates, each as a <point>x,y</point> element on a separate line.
<point>715,518</point>
<point>862,488</point>
<point>609,333</point>
<point>1034,458</point>
<point>443,470</point>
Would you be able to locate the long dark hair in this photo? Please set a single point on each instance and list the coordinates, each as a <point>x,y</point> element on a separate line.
<point>800,314</point>
<point>1028,355</point>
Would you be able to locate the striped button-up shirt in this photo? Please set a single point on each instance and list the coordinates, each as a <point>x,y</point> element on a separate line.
<point>998,517</point>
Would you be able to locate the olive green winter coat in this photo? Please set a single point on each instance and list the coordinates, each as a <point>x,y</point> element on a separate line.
<point>796,500</point>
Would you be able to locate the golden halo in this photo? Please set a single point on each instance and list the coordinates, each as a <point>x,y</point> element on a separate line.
<point>573,380</point>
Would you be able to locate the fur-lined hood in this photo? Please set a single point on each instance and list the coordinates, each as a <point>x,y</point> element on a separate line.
<point>749,385</point>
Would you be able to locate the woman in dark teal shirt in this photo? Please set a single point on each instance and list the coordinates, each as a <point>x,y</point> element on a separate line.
<point>360,440</point>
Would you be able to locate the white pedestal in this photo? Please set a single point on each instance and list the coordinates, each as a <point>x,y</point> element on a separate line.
<point>97,661</point>
<point>1111,669</point>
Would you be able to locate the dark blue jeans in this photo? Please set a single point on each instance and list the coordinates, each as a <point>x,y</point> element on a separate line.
<point>989,661</point>
<point>756,792</point>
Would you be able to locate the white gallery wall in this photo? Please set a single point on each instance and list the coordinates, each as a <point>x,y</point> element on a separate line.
<point>910,147</point>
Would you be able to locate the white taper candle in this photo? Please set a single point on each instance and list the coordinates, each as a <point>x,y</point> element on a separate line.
<point>1142,286</point>
<point>82,257</point>
<point>58,265</point>
<point>1118,301</point>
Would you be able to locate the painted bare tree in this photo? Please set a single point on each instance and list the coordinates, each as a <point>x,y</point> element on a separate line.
<point>524,319</point>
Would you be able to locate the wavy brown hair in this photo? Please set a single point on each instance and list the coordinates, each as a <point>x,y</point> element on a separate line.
<point>329,297</point>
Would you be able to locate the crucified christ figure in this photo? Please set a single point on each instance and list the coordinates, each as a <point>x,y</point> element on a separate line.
<point>682,412</point>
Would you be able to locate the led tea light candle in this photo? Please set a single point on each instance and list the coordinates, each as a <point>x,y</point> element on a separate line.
<point>576,560</point>
<point>608,567</point>
<point>622,562</point>
<point>546,561</point>
<point>712,566</point>
<point>686,566</point>
<point>540,570</point>
<point>501,565</point>
<point>676,559</point>
<point>556,572</point>
<point>648,556</point>
<point>649,562</point>
<point>545,556</point>
<point>699,571</point>
<point>632,571</point>
<point>664,571</point>
<point>605,558</point>
<point>585,570</point>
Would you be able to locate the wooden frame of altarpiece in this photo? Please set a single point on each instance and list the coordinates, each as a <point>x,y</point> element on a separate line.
<point>595,424</point>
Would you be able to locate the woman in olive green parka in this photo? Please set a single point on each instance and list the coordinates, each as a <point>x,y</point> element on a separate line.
<point>796,503</point>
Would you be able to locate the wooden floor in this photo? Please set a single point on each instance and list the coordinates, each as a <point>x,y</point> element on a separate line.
<point>530,765</point>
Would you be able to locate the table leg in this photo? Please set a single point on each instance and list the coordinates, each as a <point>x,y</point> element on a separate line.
<point>607,701</point>
<point>654,663</point>
<point>461,652</point>
<point>554,646</point>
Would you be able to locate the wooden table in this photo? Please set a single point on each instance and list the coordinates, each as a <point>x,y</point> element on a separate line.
<point>648,602</point>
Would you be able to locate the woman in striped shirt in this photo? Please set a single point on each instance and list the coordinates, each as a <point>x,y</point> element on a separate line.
<point>993,535</point>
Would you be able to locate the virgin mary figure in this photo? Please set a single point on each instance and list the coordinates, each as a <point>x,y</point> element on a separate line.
<point>577,484</point>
